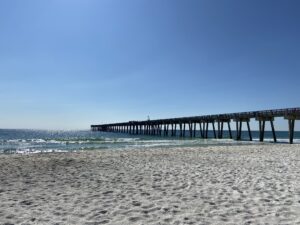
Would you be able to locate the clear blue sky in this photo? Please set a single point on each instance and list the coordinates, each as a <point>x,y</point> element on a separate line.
<point>66,64</point>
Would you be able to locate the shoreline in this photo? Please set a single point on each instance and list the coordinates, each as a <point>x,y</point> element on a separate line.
<point>241,184</point>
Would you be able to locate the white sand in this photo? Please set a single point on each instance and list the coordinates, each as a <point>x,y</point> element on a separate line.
<point>216,185</point>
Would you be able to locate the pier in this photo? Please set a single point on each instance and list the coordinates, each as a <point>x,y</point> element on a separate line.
<point>177,126</point>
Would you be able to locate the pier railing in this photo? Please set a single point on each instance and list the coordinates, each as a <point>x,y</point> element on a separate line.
<point>161,126</point>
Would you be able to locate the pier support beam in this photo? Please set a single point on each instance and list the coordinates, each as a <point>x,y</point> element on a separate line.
<point>191,129</point>
<point>214,129</point>
<point>159,129</point>
<point>201,128</point>
<point>174,129</point>
<point>180,128</point>
<point>206,129</point>
<point>220,129</point>
<point>262,123</point>
<point>239,123</point>
<point>152,130</point>
<point>221,126</point>
<point>291,122</point>
<point>229,130</point>
<point>167,130</point>
<point>249,131</point>
<point>291,130</point>
<point>206,125</point>
<point>194,134</point>
<point>136,129</point>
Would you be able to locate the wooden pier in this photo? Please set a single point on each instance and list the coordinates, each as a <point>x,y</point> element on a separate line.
<point>174,126</point>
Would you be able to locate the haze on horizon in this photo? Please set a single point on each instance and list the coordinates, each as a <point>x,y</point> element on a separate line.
<point>66,64</point>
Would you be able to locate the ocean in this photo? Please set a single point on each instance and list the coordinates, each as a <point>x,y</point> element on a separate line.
<point>36,141</point>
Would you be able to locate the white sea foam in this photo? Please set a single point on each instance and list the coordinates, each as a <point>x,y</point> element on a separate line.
<point>34,151</point>
<point>280,140</point>
<point>56,142</point>
<point>38,140</point>
<point>119,140</point>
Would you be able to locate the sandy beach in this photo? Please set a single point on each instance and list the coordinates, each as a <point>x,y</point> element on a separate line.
<point>248,184</point>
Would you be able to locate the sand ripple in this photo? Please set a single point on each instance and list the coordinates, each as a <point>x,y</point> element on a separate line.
<point>255,184</point>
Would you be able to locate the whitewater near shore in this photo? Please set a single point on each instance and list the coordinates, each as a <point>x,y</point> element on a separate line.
<point>247,184</point>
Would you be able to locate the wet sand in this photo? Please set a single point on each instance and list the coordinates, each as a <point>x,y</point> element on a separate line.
<point>248,184</point>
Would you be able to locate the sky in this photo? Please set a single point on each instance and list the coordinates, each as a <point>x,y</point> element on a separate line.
<point>67,64</point>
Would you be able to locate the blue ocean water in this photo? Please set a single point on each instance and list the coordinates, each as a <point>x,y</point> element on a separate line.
<point>34,141</point>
